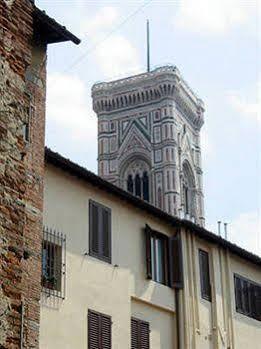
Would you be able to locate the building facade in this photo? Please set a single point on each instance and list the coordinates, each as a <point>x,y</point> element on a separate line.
<point>149,140</point>
<point>25,32</point>
<point>123,289</point>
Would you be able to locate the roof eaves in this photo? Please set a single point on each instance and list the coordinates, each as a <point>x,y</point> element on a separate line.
<point>82,173</point>
<point>60,33</point>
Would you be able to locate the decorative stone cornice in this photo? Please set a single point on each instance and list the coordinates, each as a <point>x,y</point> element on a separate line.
<point>146,88</point>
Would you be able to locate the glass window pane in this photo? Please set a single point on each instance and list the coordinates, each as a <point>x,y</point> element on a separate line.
<point>160,260</point>
<point>153,259</point>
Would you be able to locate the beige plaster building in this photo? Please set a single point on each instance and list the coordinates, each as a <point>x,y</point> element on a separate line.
<point>122,273</point>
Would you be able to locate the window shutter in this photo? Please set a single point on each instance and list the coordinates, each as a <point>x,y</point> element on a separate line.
<point>105,233</point>
<point>94,335</point>
<point>140,334</point>
<point>99,330</point>
<point>94,229</point>
<point>144,335</point>
<point>246,303</point>
<point>204,275</point>
<point>238,294</point>
<point>99,231</point>
<point>134,334</point>
<point>175,262</point>
<point>257,300</point>
<point>105,332</point>
<point>148,233</point>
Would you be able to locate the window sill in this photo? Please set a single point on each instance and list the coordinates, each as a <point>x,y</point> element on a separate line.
<point>102,259</point>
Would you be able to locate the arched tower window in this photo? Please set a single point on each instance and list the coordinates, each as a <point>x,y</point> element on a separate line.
<point>188,190</point>
<point>137,180</point>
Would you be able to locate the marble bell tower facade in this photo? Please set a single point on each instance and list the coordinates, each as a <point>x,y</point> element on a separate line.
<point>149,140</point>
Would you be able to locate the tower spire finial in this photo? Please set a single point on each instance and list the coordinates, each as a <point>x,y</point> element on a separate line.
<point>148,45</point>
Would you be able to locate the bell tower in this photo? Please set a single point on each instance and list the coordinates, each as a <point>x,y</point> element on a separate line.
<point>149,140</point>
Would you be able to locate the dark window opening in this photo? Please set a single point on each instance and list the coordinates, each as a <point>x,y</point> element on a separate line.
<point>53,263</point>
<point>204,275</point>
<point>130,184</point>
<point>137,185</point>
<point>26,131</point>
<point>247,297</point>
<point>145,180</point>
<point>140,334</point>
<point>99,231</point>
<point>99,330</point>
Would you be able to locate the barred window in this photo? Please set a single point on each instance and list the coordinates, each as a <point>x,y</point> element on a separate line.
<point>53,263</point>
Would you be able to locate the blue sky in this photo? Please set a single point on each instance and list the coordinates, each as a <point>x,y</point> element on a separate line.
<point>215,46</point>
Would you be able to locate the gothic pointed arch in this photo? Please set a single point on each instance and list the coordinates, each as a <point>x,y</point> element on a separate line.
<point>188,190</point>
<point>135,172</point>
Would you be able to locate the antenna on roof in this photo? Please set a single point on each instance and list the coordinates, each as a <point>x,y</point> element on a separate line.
<point>148,46</point>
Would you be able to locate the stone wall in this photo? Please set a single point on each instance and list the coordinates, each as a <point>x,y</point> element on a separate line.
<point>22,107</point>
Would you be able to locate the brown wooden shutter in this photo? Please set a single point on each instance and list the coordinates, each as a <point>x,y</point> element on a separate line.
<point>134,334</point>
<point>140,334</point>
<point>99,231</point>
<point>94,228</point>
<point>148,233</point>
<point>93,330</point>
<point>105,233</point>
<point>175,262</point>
<point>99,330</point>
<point>105,332</point>
<point>144,335</point>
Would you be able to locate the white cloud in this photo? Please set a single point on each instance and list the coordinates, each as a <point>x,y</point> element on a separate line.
<point>103,20</point>
<point>213,16</point>
<point>117,57</point>
<point>245,231</point>
<point>71,124</point>
<point>206,144</point>
<point>245,106</point>
<point>69,106</point>
<point>115,54</point>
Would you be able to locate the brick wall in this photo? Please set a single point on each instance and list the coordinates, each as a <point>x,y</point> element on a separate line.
<point>22,101</point>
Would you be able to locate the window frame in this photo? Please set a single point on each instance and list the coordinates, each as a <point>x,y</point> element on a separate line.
<point>153,235</point>
<point>100,254</point>
<point>56,248</point>
<point>207,295</point>
<point>240,309</point>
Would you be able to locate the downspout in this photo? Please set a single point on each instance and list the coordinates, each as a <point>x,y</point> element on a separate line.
<point>22,326</point>
<point>176,290</point>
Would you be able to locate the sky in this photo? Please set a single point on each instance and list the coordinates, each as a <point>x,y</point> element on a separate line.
<point>216,46</point>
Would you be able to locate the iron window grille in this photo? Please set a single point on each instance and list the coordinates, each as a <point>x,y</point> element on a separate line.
<point>53,263</point>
